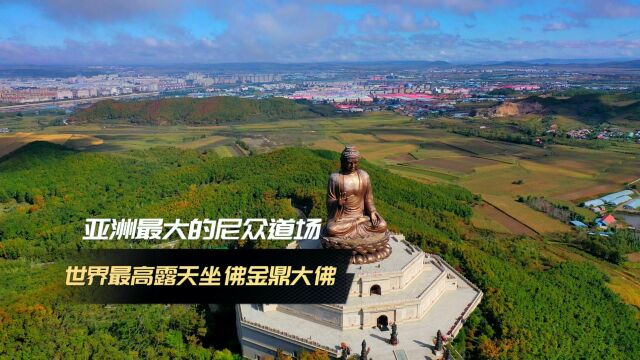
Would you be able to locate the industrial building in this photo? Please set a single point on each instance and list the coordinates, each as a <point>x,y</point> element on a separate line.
<point>632,205</point>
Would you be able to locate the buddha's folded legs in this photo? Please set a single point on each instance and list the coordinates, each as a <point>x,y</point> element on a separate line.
<point>382,226</point>
<point>354,228</point>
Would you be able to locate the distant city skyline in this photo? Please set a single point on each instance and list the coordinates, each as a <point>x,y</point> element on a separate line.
<point>144,32</point>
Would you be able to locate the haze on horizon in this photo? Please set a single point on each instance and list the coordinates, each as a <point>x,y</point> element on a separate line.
<point>121,32</point>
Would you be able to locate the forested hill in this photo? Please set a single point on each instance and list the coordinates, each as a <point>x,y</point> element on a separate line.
<point>590,108</point>
<point>53,188</point>
<point>535,306</point>
<point>593,109</point>
<point>47,192</point>
<point>207,111</point>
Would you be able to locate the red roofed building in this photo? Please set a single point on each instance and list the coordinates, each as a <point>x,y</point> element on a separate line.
<point>608,219</point>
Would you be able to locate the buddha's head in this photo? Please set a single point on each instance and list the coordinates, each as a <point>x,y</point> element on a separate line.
<point>349,159</point>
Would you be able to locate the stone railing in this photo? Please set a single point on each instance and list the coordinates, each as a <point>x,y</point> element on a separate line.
<point>433,284</point>
<point>457,325</point>
<point>441,262</point>
<point>273,331</point>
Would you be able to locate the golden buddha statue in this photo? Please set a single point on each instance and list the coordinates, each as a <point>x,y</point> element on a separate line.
<point>354,223</point>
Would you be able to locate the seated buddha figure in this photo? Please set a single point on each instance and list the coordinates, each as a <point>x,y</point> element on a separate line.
<point>352,213</point>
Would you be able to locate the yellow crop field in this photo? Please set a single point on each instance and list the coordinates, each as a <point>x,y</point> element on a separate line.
<point>455,164</point>
<point>351,138</point>
<point>328,144</point>
<point>208,141</point>
<point>394,137</point>
<point>10,143</point>
<point>553,170</point>
<point>224,151</point>
<point>430,151</point>
<point>379,151</point>
<point>536,220</point>
<point>499,180</point>
<point>480,220</point>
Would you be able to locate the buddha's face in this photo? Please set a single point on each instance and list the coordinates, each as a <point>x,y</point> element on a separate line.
<point>349,165</point>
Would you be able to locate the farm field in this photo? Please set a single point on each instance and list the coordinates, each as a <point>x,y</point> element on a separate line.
<point>12,142</point>
<point>534,220</point>
<point>496,170</point>
<point>403,146</point>
<point>455,164</point>
<point>488,217</point>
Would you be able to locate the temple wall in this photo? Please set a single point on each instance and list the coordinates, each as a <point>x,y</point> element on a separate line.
<point>383,281</point>
<point>318,313</point>
<point>431,296</point>
<point>371,318</point>
<point>412,271</point>
<point>352,319</point>
<point>388,282</point>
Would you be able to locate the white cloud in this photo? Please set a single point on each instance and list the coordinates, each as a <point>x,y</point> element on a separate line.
<point>555,26</point>
<point>303,31</point>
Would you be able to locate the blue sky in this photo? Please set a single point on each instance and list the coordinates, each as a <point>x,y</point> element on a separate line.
<point>198,31</point>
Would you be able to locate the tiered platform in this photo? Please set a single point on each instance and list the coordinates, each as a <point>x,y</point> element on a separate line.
<point>419,292</point>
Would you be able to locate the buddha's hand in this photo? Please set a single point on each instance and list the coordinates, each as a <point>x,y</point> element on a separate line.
<point>375,219</point>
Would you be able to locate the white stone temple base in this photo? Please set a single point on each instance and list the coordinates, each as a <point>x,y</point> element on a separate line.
<point>419,292</point>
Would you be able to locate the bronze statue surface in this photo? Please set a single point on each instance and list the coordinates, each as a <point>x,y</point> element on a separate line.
<point>354,223</point>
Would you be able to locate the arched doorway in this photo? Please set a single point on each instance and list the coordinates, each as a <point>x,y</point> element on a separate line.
<point>375,290</point>
<point>383,322</point>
